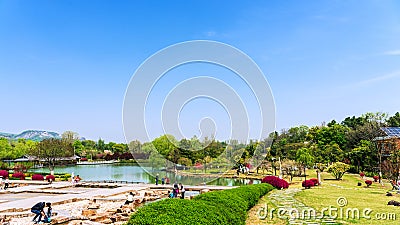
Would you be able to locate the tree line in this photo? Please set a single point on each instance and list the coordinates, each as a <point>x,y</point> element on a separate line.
<point>349,141</point>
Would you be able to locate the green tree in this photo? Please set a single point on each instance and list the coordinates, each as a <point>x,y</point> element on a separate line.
<point>185,161</point>
<point>338,169</point>
<point>70,136</point>
<point>100,145</point>
<point>51,149</point>
<point>135,146</point>
<point>5,149</point>
<point>394,121</point>
<point>78,147</point>
<point>304,157</point>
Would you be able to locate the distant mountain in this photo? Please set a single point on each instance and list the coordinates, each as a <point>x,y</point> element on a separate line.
<point>34,135</point>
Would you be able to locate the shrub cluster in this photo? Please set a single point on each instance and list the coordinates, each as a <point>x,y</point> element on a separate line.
<point>19,175</point>
<point>315,181</point>
<point>368,182</point>
<point>37,177</point>
<point>376,178</point>
<point>48,177</point>
<point>308,184</point>
<point>218,207</point>
<point>3,173</point>
<point>276,182</point>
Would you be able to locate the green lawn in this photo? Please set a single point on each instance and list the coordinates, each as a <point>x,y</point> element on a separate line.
<point>358,197</point>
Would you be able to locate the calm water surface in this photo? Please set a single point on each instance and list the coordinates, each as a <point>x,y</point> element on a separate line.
<point>135,173</point>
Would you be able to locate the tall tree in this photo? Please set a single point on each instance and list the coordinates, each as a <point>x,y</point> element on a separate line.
<point>70,136</point>
<point>304,157</point>
<point>52,149</point>
<point>394,121</point>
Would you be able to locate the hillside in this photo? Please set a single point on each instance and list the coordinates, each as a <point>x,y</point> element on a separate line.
<point>35,135</point>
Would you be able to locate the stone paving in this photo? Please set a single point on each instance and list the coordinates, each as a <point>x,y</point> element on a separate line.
<point>284,199</point>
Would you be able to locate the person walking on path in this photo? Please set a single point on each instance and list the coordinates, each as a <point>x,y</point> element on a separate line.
<point>6,183</point>
<point>157,179</point>
<point>1,183</point>
<point>182,191</point>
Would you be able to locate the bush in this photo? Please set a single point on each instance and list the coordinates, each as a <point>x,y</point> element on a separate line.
<point>276,182</point>
<point>338,169</point>
<point>315,181</point>
<point>308,184</point>
<point>368,183</point>
<point>362,174</point>
<point>48,177</point>
<point>19,175</point>
<point>218,207</point>
<point>37,177</point>
<point>376,178</point>
<point>3,173</point>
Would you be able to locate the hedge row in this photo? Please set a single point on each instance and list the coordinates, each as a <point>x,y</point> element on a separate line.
<point>218,207</point>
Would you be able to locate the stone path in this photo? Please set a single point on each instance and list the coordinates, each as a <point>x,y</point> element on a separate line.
<point>284,200</point>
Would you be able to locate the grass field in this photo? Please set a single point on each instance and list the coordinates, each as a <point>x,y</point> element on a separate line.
<point>370,202</point>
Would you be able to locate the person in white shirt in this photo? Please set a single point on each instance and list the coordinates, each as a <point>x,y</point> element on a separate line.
<point>1,183</point>
<point>129,200</point>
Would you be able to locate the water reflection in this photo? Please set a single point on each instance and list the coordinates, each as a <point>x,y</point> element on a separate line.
<point>135,173</point>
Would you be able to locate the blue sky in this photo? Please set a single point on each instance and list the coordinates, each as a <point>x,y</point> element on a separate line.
<point>65,65</point>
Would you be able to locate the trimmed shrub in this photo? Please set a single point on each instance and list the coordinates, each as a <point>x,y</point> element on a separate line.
<point>376,178</point>
<point>362,174</point>
<point>19,175</point>
<point>368,182</point>
<point>218,207</point>
<point>308,184</point>
<point>37,177</point>
<point>315,181</point>
<point>48,177</point>
<point>276,182</point>
<point>3,173</point>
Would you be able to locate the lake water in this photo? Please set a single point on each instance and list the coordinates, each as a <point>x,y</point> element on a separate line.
<point>135,173</point>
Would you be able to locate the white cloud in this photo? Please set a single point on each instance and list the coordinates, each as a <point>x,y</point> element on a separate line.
<point>380,78</point>
<point>393,52</point>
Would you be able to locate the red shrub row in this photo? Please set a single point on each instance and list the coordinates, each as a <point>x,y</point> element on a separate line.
<point>308,184</point>
<point>48,177</point>
<point>37,177</point>
<point>19,175</point>
<point>3,173</point>
<point>276,182</point>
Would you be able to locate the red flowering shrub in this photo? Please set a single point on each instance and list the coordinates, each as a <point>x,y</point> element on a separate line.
<point>198,165</point>
<point>368,183</point>
<point>308,184</point>
<point>37,177</point>
<point>376,178</point>
<point>83,159</point>
<point>362,174</point>
<point>48,177</point>
<point>276,182</point>
<point>3,173</point>
<point>19,175</point>
<point>315,181</point>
